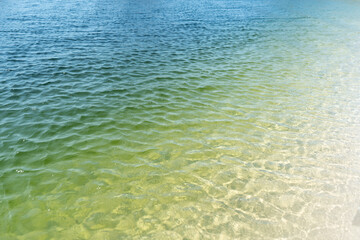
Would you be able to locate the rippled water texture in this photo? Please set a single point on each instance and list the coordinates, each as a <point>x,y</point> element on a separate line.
<point>201,119</point>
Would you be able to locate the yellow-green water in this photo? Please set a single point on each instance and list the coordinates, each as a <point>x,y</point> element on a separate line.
<point>179,119</point>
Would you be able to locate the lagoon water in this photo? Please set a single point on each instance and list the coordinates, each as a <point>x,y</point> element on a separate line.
<point>193,119</point>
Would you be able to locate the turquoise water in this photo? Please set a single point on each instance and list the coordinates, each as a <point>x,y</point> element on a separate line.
<point>179,119</point>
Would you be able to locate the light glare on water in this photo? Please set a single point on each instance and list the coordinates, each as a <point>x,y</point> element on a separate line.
<point>179,119</point>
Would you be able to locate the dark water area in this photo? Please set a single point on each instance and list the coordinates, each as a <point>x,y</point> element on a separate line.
<point>179,119</point>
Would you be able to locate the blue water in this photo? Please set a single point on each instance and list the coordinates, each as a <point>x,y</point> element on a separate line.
<point>179,119</point>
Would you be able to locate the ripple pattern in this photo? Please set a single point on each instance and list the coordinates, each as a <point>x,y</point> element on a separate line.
<point>179,119</point>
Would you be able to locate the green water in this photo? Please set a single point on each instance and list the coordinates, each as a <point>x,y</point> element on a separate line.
<point>179,119</point>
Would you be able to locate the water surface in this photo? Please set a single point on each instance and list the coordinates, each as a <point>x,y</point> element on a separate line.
<point>179,119</point>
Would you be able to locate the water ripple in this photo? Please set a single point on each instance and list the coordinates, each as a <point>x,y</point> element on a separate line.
<point>179,119</point>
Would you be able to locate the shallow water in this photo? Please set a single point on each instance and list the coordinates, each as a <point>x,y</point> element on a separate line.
<point>179,119</point>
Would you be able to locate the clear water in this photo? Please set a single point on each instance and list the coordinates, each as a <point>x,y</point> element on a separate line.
<point>193,119</point>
